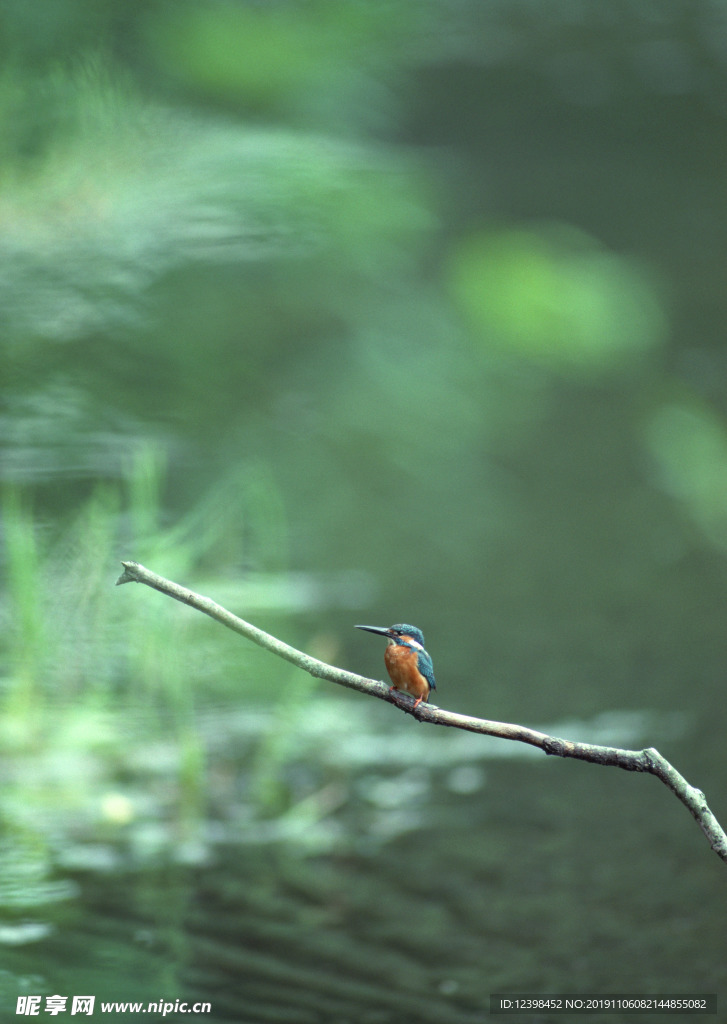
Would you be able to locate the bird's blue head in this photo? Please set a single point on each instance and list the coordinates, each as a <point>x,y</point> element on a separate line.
<point>395,633</point>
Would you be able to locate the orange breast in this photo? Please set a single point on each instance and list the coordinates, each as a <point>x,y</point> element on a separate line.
<point>401,664</point>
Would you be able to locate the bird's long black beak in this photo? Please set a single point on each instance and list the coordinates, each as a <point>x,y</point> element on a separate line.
<point>381,630</point>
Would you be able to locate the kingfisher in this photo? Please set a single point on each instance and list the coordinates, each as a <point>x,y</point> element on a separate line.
<point>407,663</point>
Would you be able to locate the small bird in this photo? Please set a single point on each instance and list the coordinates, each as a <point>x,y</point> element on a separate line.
<point>407,663</point>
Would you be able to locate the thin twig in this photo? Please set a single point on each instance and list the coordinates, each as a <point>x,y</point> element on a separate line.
<point>649,760</point>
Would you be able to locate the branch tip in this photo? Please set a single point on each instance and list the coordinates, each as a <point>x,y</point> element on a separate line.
<point>126,576</point>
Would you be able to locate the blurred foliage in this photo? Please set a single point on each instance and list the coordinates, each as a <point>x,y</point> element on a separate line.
<point>283,59</point>
<point>689,444</point>
<point>557,295</point>
<point>119,191</point>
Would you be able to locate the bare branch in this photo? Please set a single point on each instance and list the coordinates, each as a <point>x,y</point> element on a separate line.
<point>649,760</point>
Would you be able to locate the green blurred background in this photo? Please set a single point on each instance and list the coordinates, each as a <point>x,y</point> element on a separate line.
<point>344,312</point>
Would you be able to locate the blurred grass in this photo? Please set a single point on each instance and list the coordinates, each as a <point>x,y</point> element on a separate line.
<point>25,595</point>
<point>96,679</point>
<point>71,635</point>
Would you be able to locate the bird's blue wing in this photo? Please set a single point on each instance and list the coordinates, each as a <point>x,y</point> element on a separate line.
<point>425,666</point>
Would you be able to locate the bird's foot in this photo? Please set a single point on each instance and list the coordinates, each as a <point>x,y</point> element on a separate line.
<point>404,700</point>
